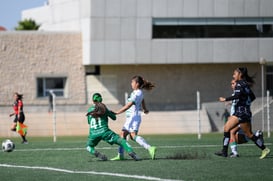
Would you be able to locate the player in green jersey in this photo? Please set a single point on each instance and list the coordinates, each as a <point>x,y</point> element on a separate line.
<point>97,118</point>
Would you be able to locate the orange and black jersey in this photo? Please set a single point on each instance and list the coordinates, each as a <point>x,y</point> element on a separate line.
<point>18,105</point>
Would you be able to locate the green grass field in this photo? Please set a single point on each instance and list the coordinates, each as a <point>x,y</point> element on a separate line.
<point>179,157</point>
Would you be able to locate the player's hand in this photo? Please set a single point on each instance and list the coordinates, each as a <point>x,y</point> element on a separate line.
<point>222,99</point>
<point>146,111</point>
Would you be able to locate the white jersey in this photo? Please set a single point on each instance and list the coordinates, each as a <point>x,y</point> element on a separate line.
<point>136,97</point>
<point>133,114</point>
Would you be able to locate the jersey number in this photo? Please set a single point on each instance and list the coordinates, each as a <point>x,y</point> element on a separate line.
<point>95,123</point>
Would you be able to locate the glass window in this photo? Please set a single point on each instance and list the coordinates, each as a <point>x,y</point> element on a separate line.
<point>56,84</point>
<point>212,27</point>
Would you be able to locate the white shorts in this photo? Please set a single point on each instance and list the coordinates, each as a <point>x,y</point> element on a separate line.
<point>132,123</point>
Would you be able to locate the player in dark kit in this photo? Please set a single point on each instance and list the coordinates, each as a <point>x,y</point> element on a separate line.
<point>97,118</point>
<point>243,96</point>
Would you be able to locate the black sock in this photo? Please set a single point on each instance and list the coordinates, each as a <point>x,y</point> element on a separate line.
<point>226,141</point>
<point>258,142</point>
<point>24,138</point>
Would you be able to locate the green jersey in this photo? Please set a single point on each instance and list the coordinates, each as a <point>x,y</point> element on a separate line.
<point>99,130</point>
<point>99,125</point>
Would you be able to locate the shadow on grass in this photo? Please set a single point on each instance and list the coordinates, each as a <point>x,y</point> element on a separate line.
<point>174,156</point>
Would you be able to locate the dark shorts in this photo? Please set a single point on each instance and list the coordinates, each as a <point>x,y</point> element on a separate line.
<point>243,114</point>
<point>21,118</point>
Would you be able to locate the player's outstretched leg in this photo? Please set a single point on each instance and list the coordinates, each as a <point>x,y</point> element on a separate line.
<point>141,141</point>
<point>258,140</point>
<point>97,154</point>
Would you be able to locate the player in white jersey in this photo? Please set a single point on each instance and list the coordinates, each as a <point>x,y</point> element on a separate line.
<point>135,105</point>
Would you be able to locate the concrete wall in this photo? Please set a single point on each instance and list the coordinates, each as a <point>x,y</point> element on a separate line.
<point>176,84</point>
<point>75,123</point>
<point>26,55</point>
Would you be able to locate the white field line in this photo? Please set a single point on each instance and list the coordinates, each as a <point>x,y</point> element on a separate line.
<point>86,172</point>
<point>103,173</point>
<point>109,148</point>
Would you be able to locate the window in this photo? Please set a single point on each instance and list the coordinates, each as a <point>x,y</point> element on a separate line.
<point>212,27</point>
<point>56,84</point>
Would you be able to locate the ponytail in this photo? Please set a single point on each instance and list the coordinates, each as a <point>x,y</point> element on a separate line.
<point>143,84</point>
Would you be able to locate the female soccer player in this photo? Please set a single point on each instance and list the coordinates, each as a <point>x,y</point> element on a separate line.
<point>135,104</point>
<point>19,116</point>
<point>237,136</point>
<point>97,118</point>
<point>243,97</point>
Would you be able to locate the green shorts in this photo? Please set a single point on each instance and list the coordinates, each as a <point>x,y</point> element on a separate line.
<point>108,136</point>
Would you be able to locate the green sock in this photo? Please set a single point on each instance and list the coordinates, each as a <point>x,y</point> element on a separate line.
<point>126,146</point>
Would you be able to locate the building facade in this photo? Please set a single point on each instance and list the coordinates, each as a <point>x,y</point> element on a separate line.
<point>183,46</point>
<point>34,63</point>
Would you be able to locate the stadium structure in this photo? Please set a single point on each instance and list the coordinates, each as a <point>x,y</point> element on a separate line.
<point>183,46</point>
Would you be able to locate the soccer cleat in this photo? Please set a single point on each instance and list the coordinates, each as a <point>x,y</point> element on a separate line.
<point>100,156</point>
<point>221,153</point>
<point>118,157</point>
<point>134,156</point>
<point>152,151</point>
<point>265,152</point>
<point>232,155</point>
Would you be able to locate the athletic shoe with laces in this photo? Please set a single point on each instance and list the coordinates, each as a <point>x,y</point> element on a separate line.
<point>232,155</point>
<point>265,152</point>
<point>134,156</point>
<point>100,156</point>
<point>221,153</point>
<point>118,157</point>
<point>152,151</point>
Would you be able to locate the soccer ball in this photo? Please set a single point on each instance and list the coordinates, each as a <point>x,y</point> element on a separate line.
<point>8,146</point>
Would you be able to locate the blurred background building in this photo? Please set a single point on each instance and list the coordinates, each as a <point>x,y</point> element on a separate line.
<point>183,46</point>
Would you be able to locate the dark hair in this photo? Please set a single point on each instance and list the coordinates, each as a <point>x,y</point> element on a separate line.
<point>143,84</point>
<point>245,76</point>
<point>19,96</point>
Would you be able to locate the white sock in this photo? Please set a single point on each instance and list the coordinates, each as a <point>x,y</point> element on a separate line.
<point>234,149</point>
<point>142,142</point>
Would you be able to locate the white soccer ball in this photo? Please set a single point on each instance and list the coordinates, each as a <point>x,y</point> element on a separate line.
<point>8,146</point>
